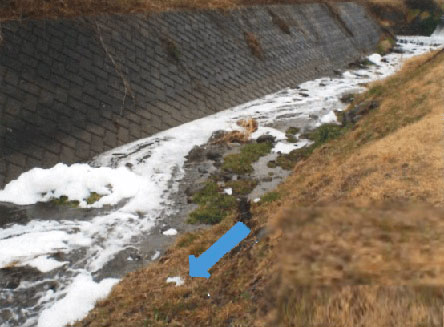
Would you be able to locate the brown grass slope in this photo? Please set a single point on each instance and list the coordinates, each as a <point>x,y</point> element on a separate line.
<point>357,238</point>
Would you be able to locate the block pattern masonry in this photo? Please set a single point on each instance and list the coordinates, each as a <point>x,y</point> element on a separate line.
<point>73,88</point>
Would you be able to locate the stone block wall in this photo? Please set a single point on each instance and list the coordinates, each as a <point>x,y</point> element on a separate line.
<point>73,88</point>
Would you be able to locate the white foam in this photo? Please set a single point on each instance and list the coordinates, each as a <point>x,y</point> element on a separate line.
<point>155,256</point>
<point>170,232</point>
<point>329,118</point>
<point>155,162</point>
<point>44,263</point>
<point>80,298</point>
<point>179,281</point>
<point>228,190</point>
<point>23,249</point>
<point>375,58</point>
<point>76,182</point>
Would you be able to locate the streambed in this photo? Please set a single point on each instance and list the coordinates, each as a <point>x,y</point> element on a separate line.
<point>56,261</point>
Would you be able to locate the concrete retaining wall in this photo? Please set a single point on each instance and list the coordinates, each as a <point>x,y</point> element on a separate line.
<point>73,88</point>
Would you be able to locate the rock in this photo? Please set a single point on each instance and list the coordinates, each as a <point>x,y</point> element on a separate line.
<point>337,72</point>
<point>193,188</point>
<point>322,84</point>
<point>217,135</point>
<point>266,138</point>
<point>196,154</point>
<point>215,153</point>
<point>305,95</point>
<point>347,98</point>
<point>356,113</point>
<point>313,116</point>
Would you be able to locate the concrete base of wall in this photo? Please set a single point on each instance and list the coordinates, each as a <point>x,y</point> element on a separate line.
<point>73,88</point>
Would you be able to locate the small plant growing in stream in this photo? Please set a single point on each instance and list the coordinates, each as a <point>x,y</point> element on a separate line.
<point>93,198</point>
<point>240,163</point>
<point>63,201</point>
<point>291,134</point>
<point>213,205</point>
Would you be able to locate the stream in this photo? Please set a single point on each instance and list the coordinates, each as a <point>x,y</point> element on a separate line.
<point>56,261</point>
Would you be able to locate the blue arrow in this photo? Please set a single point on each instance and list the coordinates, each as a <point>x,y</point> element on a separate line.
<point>199,266</point>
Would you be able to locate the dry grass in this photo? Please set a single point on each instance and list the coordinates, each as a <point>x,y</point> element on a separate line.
<point>22,9</point>
<point>249,127</point>
<point>393,154</point>
<point>355,237</point>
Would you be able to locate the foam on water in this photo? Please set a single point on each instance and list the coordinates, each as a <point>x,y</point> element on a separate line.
<point>145,188</point>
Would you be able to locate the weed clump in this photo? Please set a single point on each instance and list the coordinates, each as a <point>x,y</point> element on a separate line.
<point>213,205</point>
<point>291,134</point>
<point>93,198</point>
<point>63,201</point>
<point>254,45</point>
<point>319,136</point>
<point>279,22</point>
<point>172,49</point>
<point>241,163</point>
<point>242,186</point>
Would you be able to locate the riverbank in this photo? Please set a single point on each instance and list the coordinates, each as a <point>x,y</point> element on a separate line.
<point>342,220</point>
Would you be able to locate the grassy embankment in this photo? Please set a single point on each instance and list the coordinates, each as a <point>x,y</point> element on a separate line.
<point>354,237</point>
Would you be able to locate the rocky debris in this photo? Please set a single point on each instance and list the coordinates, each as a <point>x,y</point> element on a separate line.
<point>11,277</point>
<point>347,98</point>
<point>356,113</point>
<point>266,138</point>
<point>337,72</point>
<point>196,154</point>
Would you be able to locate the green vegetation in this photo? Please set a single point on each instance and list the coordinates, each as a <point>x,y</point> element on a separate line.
<point>385,45</point>
<point>241,163</point>
<point>63,201</point>
<point>319,136</point>
<point>270,197</point>
<point>213,205</point>
<point>93,198</point>
<point>291,134</point>
<point>242,186</point>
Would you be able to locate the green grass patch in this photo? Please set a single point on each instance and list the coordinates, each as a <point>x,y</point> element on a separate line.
<point>292,131</point>
<point>213,205</point>
<point>93,198</point>
<point>319,136</point>
<point>291,134</point>
<point>240,163</point>
<point>63,201</point>
<point>270,197</point>
<point>242,186</point>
